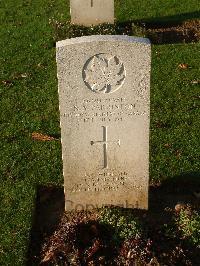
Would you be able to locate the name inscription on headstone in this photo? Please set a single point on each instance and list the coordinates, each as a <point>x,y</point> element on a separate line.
<point>104,110</point>
<point>104,84</point>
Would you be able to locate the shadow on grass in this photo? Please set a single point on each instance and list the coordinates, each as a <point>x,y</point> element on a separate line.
<point>167,21</point>
<point>50,209</point>
<point>170,20</point>
<point>183,188</point>
<point>173,20</point>
<point>162,32</point>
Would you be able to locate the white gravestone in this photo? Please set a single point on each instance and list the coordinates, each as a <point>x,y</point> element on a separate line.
<point>92,12</point>
<point>104,95</point>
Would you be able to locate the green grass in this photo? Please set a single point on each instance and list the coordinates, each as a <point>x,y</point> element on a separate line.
<point>29,103</point>
<point>156,10</point>
<point>174,111</point>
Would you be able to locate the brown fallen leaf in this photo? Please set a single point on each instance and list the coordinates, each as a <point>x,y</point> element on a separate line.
<point>178,153</point>
<point>153,262</point>
<point>183,66</point>
<point>196,97</point>
<point>7,83</point>
<point>24,75</point>
<point>167,145</point>
<point>195,81</point>
<point>49,255</point>
<point>41,137</point>
<point>179,206</point>
<point>40,65</point>
<point>94,248</point>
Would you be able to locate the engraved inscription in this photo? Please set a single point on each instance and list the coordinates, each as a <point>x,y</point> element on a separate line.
<point>106,180</point>
<point>105,145</point>
<point>104,110</point>
<point>103,73</point>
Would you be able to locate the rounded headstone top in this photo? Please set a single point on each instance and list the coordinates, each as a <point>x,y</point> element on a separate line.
<point>98,38</point>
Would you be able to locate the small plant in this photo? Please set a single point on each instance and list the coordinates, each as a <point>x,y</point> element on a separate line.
<point>125,225</point>
<point>188,223</point>
<point>138,30</point>
<point>185,224</point>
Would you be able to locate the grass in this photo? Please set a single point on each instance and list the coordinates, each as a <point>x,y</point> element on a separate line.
<point>156,10</point>
<point>29,103</point>
<point>174,111</point>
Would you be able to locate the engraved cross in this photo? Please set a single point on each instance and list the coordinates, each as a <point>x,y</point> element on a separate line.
<point>105,143</point>
<point>92,4</point>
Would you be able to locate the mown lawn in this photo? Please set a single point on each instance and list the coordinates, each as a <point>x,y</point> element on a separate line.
<point>156,10</point>
<point>29,103</point>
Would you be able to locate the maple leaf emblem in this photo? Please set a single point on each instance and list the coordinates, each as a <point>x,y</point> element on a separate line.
<point>104,73</point>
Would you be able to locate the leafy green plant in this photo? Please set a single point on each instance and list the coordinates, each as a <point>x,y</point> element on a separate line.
<point>125,225</point>
<point>185,224</point>
<point>188,223</point>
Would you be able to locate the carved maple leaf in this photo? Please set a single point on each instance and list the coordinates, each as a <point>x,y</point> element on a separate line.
<point>104,74</point>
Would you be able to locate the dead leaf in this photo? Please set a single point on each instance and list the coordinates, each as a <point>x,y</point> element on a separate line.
<point>48,256</point>
<point>24,75</point>
<point>179,206</point>
<point>167,145</point>
<point>196,97</point>
<point>178,153</point>
<point>183,66</point>
<point>94,248</point>
<point>40,65</point>
<point>41,137</point>
<point>153,262</point>
<point>195,81</point>
<point>7,83</point>
<point>160,124</point>
<point>17,75</point>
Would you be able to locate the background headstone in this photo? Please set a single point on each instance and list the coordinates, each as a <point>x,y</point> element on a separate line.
<point>104,90</point>
<point>91,12</point>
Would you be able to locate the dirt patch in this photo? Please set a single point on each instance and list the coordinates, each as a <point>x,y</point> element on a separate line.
<point>186,32</point>
<point>60,238</point>
<point>182,32</point>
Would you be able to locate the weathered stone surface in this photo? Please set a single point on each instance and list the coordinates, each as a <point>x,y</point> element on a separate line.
<point>92,12</point>
<point>104,95</point>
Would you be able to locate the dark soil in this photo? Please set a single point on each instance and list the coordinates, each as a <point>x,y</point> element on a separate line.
<point>60,238</point>
<point>182,32</point>
<point>168,33</point>
<point>188,31</point>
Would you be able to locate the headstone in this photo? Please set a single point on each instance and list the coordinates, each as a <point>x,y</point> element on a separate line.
<point>104,90</point>
<point>92,12</point>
